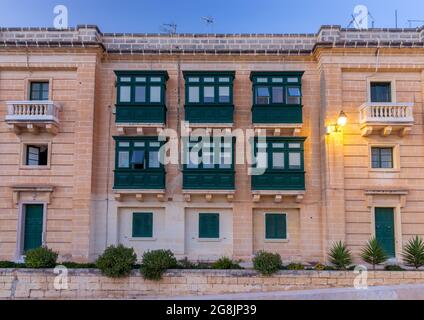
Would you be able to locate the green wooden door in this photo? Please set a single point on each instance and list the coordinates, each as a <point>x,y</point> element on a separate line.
<point>33,228</point>
<point>385,229</point>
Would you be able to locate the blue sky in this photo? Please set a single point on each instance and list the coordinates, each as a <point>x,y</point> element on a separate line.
<point>231,16</point>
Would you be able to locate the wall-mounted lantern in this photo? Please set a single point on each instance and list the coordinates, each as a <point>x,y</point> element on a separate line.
<point>337,127</point>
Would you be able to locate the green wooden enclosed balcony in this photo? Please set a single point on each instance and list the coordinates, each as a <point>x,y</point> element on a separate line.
<point>279,181</point>
<point>209,164</point>
<point>277,97</point>
<point>138,163</point>
<point>208,179</point>
<point>141,97</point>
<point>131,179</point>
<point>279,164</point>
<point>209,97</point>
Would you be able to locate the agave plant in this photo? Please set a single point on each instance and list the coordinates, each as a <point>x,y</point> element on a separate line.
<point>413,252</point>
<point>340,256</point>
<point>373,253</point>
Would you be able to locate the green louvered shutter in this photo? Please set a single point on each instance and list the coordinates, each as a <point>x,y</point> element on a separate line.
<point>275,226</point>
<point>209,225</point>
<point>385,229</point>
<point>142,225</point>
<point>33,234</point>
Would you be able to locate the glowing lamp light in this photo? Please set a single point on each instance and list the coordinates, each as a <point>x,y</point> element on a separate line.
<point>341,122</point>
<point>342,119</point>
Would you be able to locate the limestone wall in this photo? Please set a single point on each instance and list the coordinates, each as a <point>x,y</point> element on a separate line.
<point>89,284</point>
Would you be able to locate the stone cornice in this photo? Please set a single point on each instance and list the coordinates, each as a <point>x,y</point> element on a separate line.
<point>90,36</point>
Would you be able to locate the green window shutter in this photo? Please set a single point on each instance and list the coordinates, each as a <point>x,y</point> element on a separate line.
<point>209,225</point>
<point>275,226</point>
<point>142,226</point>
<point>33,234</point>
<point>385,229</point>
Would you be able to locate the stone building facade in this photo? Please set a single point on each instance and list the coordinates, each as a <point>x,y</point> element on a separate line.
<point>81,112</point>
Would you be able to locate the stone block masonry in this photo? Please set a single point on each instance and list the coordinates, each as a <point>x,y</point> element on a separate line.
<point>90,284</point>
<point>84,212</point>
<point>187,43</point>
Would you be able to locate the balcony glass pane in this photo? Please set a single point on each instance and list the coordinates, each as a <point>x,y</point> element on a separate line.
<point>293,95</point>
<point>262,160</point>
<point>139,144</point>
<point>140,94</point>
<point>137,159</point>
<point>154,159</point>
<point>224,94</point>
<point>262,95</point>
<point>124,144</point>
<point>208,159</point>
<point>125,94</point>
<point>225,161</point>
<point>208,94</point>
<point>155,94</point>
<point>294,160</point>
<point>123,159</point>
<point>294,145</point>
<point>193,94</point>
<point>277,95</point>
<point>278,160</point>
<point>192,159</point>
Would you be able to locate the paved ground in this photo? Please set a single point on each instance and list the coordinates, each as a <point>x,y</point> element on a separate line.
<point>403,292</point>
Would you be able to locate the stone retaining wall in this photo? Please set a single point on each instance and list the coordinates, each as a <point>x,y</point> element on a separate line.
<point>90,284</point>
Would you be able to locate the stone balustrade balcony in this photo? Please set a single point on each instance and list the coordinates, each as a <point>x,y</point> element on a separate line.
<point>33,116</point>
<point>386,118</point>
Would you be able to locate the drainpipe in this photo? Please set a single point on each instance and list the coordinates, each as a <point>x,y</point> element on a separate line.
<point>108,175</point>
<point>179,108</point>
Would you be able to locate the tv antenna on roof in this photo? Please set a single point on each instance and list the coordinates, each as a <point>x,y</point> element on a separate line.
<point>360,18</point>
<point>170,28</point>
<point>209,22</point>
<point>419,22</point>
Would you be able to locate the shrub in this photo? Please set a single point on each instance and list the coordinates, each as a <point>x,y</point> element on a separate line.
<point>413,253</point>
<point>329,268</point>
<point>295,266</point>
<point>340,256</point>
<point>203,265</point>
<point>373,253</point>
<point>319,267</point>
<point>393,267</point>
<point>116,262</point>
<point>225,264</point>
<point>156,262</point>
<point>75,265</point>
<point>267,263</point>
<point>186,264</point>
<point>7,264</point>
<point>41,257</point>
